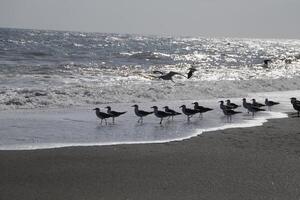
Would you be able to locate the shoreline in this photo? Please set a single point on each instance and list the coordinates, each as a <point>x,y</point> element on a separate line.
<point>241,163</point>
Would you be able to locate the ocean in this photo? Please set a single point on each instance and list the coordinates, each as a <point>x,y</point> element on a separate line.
<point>51,80</point>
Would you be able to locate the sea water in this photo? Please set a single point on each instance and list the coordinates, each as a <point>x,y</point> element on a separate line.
<point>50,81</point>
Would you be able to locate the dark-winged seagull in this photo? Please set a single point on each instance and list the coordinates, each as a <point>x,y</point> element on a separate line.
<point>171,112</point>
<point>251,108</point>
<point>201,109</point>
<point>294,100</point>
<point>266,63</point>
<point>140,113</point>
<point>114,114</point>
<point>102,115</point>
<point>270,103</point>
<point>160,114</point>
<point>256,104</point>
<point>296,105</point>
<point>188,112</point>
<point>228,113</point>
<point>223,106</point>
<point>168,76</point>
<point>191,71</point>
<point>231,105</point>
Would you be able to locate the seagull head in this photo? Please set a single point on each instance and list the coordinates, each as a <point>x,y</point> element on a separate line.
<point>154,107</point>
<point>97,109</point>
<point>135,106</point>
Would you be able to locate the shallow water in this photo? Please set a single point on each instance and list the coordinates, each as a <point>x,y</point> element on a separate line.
<point>52,128</point>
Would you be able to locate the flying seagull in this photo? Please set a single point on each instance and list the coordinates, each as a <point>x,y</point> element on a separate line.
<point>191,71</point>
<point>168,76</point>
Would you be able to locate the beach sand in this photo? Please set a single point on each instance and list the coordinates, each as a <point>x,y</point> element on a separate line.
<point>243,163</point>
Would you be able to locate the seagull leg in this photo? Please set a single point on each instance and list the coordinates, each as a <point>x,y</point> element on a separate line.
<point>113,120</point>
<point>161,119</point>
<point>105,121</point>
<point>101,121</point>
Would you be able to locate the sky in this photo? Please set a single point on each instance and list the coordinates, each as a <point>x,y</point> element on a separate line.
<point>207,18</point>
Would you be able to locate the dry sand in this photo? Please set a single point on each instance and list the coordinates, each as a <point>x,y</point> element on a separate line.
<point>249,163</point>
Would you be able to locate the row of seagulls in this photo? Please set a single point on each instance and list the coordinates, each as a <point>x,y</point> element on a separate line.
<point>227,109</point>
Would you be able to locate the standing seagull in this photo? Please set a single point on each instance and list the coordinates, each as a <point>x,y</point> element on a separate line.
<point>296,105</point>
<point>251,108</point>
<point>140,113</point>
<point>201,109</point>
<point>171,112</point>
<point>270,103</point>
<point>160,114</point>
<point>168,76</point>
<point>102,115</point>
<point>229,113</point>
<point>114,113</point>
<point>256,104</point>
<point>188,112</point>
<point>231,105</point>
<point>223,106</point>
<point>190,73</point>
<point>294,100</point>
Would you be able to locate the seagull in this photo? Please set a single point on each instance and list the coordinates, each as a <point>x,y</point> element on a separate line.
<point>231,105</point>
<point>171,112</point>
<point>223,106</point>
<point>190,73</point>
<point>102,115</point>
<point>201,109</point>
<point>270,103</point>
<point>114,113</point>
<point>293,100</point>
<point>188,112</point>
<point>168,76</point>
<point>256,104</point>
<point>160,114</point>
<point>296,105</point>
<point>251,108</point>
<point>140,113</point>
<point>229,113</point>
<point>266,63</point>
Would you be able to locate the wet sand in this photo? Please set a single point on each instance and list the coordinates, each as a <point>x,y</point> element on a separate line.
<point>249,163</point>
